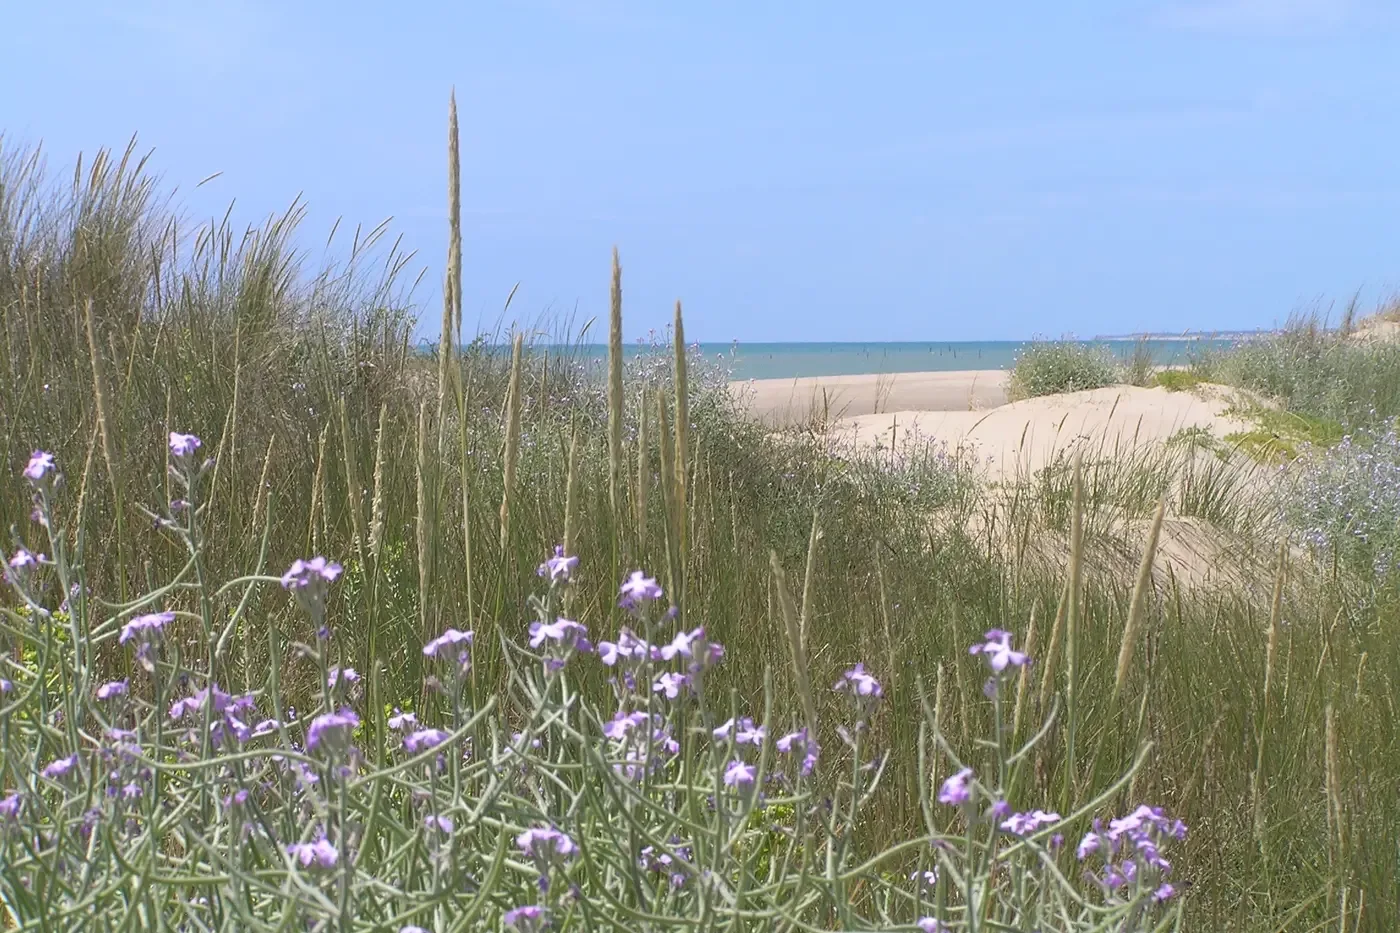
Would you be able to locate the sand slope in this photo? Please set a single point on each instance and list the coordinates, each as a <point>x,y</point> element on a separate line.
<point>788,402</point>
<point>1025,436</point>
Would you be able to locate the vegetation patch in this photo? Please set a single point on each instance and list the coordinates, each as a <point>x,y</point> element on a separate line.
<point>1178,380</point>
<point>1050,367</point>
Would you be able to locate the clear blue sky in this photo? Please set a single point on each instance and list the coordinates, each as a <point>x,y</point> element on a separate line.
<point>800,171</point>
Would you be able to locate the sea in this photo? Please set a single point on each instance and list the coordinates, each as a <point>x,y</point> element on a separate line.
<point>792,360</point>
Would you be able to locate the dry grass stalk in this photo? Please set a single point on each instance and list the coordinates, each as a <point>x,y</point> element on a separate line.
<point>87,472</point>
<point>512,448</point>
<point>795,648</point>
<point>352,482</point>
<point>423,529</point>
<point>318,485</point>
<point>466,468</point>
<point>1023,680</point>
<point>809,581</point>
<point>668,497</point>
<point>1076,570</point>
<point>615,383</point>
<point>1336,812</point>
<point>1270,658</point>
<point>643,474</point>
<point>1052,650</point>
<point>1135,606</point>
<point>100,399</point>
<point>682,421</point>
<point>376,506</point>
<point>571,494</point>
<point>452,286</point>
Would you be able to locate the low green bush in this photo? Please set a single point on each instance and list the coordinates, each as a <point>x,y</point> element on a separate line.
<point>1048,367</point>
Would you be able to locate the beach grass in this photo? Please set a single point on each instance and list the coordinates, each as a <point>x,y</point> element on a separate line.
<point>1269,708</point>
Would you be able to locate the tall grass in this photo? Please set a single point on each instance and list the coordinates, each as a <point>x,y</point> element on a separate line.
<point>897,575</point>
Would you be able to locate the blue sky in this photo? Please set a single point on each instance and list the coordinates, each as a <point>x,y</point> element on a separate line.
<point>813,171</point>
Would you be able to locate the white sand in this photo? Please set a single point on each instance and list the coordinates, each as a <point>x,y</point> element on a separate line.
<point>787,402</point>
<point>1021,437</point>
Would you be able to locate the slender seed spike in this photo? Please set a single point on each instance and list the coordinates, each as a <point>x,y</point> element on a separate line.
<point>1135,606</point>
<point>318,484</point>
<point>643,474</point>
<point>352,482</point>
<point>682,410</point>
<point>512,447</point>
<point>794,640</point>
<point>376,508</point>
<point>570,493</point>
<point>809,581</point>
<point>424,533</point>
<point>615,383</point>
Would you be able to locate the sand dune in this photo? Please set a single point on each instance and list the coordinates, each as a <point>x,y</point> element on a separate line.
<point>1025,436</point>
<point>787,402</point>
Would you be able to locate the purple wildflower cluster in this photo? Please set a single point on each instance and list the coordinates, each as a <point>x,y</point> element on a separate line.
<point>1130,852</point>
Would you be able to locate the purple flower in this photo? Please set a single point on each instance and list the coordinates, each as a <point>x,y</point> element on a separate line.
<point>747,734</point>
<point>318,854</point>
<point>636,589</point>
<point>566,632</point>
<point>423,739</point>
<point>801,741</point>
<point>446,640</point>
<point>332,729</point>
<point>40,464</point>
<point>9,806</point>
<point>670,684</point>
<point>739,773</point>
<point>559,567</point>
<point>930,925</point>
<point>309,574</point>
<point>628,647</point>
<point>335,675</point>
<point>59,768</point>
<point>997,648</point>
<point>195,701</point>
<point>438,821</point>
<point>266,727</point>
<point>622,723</point>
<point>929,878</point>
<point>113,688</point>
<point>24,559</point>
<point>145,628</point>
<point>527,919</point>
<point>401,721</point>
<point>1164,893</point>
<point>955,790</point>
<point>131,791</point>
<point>545,844</point>
<point>858,683</point>
<point>183,445</point>
<point>680,645</point>
<point>1088,845</point>
<point>6,685</point>
<point>1024,824</point>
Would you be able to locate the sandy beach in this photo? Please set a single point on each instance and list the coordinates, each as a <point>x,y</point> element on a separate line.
<point>968,410</point>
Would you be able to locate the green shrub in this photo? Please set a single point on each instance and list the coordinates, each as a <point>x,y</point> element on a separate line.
<point>1178,380</point>
<point>1315,372</point>
<point>1052,366</point>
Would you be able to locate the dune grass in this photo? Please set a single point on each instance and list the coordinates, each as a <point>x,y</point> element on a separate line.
<point>439,485</point>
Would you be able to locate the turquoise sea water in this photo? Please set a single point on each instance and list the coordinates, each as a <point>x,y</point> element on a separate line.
<point>791,360</point>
